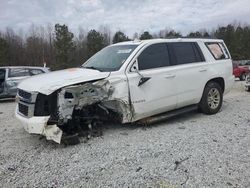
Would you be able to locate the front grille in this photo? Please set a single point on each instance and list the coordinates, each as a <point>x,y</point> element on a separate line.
<point>23,109</point>
<point>45,104</point>
<point>23,94</point>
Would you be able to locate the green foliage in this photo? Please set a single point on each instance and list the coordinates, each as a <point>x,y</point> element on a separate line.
<point>119,37</point>
<point>146,35</point>
<point>60,49</point>
<point>64,46</point>
<point>199,34</point>
<point>237,39</point>
<point>196,34</point>
<point>172,34</point>
<point>4,52</point>
<point>95,42</point>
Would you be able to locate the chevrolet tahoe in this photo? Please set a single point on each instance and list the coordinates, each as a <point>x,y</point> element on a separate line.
<point>135,81</point>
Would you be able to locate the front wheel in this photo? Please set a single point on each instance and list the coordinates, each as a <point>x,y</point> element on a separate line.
<point>212,98</point>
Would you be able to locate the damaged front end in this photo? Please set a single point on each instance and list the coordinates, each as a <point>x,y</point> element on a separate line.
<point>76,109</point>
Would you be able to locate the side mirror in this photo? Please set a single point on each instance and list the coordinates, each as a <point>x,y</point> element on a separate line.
<point>135,68</point>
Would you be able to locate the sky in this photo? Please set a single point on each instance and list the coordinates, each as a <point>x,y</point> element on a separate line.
<point>129,16</point>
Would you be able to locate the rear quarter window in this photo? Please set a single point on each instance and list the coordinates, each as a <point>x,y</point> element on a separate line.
<point>218,50</point>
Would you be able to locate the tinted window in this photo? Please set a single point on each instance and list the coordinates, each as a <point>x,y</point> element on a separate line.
<point>154,56</point>
<point>2,74</point>
<point>35,71</point>
<point>186,52</point>
<point>218,50</point>
<point>18,72</point>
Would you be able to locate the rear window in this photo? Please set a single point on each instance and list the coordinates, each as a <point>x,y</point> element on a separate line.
<point>35,71</point>
<point>186,52</point>
<point>218,50</point>
<point>18,72</point>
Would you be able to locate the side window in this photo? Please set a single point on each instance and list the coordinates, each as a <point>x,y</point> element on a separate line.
<point>218,50</point>
<point>18,72</point>
<point>154,56</point>
<point>186,52</point>
<point>2,75</point>
<point>35,72</point>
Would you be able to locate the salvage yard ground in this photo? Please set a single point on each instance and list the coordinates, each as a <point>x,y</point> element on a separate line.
<point>193,150</point>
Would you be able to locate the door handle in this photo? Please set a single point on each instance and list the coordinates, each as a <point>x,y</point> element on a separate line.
<point>170,76</point>
<point>203,70</point>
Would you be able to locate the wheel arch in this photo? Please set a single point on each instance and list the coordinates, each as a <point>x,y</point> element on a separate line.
<point>218,80</point>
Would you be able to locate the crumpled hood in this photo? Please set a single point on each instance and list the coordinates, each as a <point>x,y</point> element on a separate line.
<point>50,82</point>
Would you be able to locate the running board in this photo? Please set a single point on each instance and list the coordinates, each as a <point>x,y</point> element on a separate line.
<point>167,115</point>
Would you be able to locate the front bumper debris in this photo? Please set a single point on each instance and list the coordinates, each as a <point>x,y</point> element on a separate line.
<point>38,125</point>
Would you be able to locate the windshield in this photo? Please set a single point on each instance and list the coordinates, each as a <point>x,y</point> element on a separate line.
<point>110,58</point>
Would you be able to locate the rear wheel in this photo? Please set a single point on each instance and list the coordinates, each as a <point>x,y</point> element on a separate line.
<point>243,77</point>
<point>248,89</point>
<point>211,99</point>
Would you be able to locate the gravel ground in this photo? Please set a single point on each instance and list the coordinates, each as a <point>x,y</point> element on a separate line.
<point>192,150</point>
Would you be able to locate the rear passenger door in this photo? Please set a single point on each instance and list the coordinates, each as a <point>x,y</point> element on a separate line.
<point>191,72</point>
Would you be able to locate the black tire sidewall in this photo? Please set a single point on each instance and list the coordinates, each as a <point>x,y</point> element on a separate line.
<point>243,76</point>
<point>203,105</point>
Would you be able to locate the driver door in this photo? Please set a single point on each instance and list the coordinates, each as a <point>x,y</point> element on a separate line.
<point>157,92</point>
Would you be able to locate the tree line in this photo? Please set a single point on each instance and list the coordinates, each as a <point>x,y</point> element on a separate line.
<point>59,48</point>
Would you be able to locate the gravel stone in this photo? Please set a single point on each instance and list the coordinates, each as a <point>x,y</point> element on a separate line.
<point>191,150</point>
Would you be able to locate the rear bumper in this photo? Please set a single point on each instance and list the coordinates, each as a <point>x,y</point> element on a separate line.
<point>38,125</point>
<point>229,84</point>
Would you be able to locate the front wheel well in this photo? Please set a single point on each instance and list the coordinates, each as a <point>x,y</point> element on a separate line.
<point>219,81</point>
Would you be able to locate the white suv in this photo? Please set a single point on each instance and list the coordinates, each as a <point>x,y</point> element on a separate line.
<point>136,81</point>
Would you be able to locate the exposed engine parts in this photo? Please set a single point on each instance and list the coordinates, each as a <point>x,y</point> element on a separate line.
<point>83,108</point>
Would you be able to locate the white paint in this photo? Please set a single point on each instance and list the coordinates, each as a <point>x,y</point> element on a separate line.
<point>168,88</point>
<point>38,125</point>
<point>50,82</point>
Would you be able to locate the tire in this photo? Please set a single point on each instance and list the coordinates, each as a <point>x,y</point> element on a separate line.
<point>71,139</point>
<point>212,98</point>
<point>243,77</point>
<point>248,89</point>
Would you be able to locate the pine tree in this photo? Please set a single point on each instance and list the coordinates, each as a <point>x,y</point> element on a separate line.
<point>64,46</point>
<point>95,42</point>
<point>119,37</point>
<point>146,35</point>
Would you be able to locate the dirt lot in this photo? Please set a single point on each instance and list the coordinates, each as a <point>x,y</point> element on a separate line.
<point>193,150</point>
